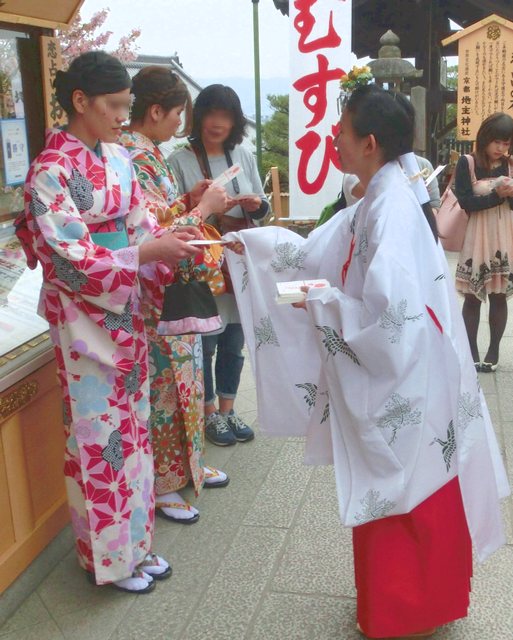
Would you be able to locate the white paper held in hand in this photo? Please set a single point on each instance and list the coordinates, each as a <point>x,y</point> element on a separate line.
<point>227,175</point>
<point>289,292</point>
<point>204,243</point>
<point>435,173</point>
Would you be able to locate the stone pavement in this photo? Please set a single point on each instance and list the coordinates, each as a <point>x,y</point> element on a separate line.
<point>268,559</point>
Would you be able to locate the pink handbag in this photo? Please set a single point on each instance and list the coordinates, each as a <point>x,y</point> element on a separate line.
<point>451,219</point>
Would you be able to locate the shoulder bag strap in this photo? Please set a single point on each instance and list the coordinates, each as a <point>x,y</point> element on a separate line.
<point>236,188</point>
<point>450,184</point>
<point>202,159</point>
<point>471,166</point>
<point>229,162</point>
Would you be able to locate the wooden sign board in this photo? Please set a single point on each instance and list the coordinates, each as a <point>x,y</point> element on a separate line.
<point>485,73</point>
<point>51,62</point>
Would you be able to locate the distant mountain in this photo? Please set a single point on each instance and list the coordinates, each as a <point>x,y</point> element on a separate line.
<point>245,88</point>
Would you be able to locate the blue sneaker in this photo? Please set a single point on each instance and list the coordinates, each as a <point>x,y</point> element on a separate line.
<point>217,430</point>
<point>241,431</point>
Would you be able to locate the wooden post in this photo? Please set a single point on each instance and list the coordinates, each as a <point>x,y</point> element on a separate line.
<point>418,100</point>
<point>275,182</point>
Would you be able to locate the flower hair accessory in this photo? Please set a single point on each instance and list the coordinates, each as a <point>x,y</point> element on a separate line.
<point>357,77</point>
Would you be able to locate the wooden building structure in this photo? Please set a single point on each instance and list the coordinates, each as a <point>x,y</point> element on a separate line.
<point>33,505</point>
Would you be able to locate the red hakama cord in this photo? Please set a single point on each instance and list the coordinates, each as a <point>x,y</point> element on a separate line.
<point>413,571</point>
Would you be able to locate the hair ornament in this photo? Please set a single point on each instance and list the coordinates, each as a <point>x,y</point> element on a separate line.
<point>415,177</point>
<point>357,77</point>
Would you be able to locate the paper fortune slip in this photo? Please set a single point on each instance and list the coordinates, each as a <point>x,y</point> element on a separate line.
<point>289,292</point>
<point>435,173</point>
<point>204,243</point>
<point>228,175</point>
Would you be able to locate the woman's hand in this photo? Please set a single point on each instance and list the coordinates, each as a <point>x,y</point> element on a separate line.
<point>198,190</point>
<point>171,247</point>
<point>504,190</point>
<point>213,200</point>
<point>236,247</point>
<point>230,203</point>
<point>250,202</point>
<point>187,232</point>
<point>302,304</point>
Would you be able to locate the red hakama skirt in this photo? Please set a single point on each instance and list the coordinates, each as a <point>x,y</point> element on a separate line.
<point>413,571</point>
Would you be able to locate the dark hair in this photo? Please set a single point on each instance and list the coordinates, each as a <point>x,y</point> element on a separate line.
<point>159,85</point>
<point>498,126</point>
<point>390,117</point>
<point>213,97</point>
<point>95,73</point>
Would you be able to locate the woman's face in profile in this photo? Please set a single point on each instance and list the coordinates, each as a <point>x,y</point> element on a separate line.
<point>102,116</point>
<point>216,126</point>
<point>348,145</point>
<point>168,122</point>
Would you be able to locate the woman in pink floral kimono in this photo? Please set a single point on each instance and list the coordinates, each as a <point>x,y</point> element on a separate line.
<point>84,223</point>
<point>176,363</point>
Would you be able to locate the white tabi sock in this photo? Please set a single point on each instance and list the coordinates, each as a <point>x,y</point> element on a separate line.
<point>214,476</point>
<point>178,513</point>
<point>154,565</point>
<point>135,583</point>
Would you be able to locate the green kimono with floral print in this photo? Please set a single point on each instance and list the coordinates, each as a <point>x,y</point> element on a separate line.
<point>176,362</point>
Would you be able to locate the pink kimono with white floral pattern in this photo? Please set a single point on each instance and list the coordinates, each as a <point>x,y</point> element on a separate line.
<point>91,298</point>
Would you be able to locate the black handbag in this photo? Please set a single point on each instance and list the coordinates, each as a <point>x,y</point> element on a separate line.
<point>189,307</point>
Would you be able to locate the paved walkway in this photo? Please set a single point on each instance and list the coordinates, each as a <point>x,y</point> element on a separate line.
<point>268,559</point>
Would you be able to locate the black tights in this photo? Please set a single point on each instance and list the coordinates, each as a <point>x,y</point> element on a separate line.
<point>497,318</point>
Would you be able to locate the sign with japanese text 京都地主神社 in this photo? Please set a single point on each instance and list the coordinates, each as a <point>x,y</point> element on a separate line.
<point>320,53</point>
<point>485,73</point>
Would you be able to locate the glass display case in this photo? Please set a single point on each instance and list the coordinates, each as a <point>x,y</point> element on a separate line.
<point>24,340</point>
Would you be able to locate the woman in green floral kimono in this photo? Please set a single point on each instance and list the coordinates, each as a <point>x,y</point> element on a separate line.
<point>176,363</point>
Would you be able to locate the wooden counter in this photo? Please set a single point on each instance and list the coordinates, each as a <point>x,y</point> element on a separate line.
<point>33,506</point>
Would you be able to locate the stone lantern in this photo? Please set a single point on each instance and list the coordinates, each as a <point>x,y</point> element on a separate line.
<point>390,68</point>
<point>397,74</point>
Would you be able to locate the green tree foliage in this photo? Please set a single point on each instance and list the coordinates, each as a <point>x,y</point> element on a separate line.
<point>275,139</point>
<point>452,83</point>
<point>452,77</point>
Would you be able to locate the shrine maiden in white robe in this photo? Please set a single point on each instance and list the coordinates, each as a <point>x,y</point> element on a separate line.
<point>378,372</point>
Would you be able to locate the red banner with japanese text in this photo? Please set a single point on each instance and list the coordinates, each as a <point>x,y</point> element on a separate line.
<point>320,53</point>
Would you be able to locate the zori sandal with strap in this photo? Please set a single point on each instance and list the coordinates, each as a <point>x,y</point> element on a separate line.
<point>138,583</point>
<point>181,506</point>
<point>156,567</point>
<point>214,478</point>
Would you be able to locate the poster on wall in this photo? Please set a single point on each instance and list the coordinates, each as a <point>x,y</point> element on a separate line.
<point>15,150</point>
<point>17,91</point>
<point>320,40</point>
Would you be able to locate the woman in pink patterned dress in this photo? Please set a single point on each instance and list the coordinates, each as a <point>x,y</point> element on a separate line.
<point>84,223</point>
<point>176,362</point>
